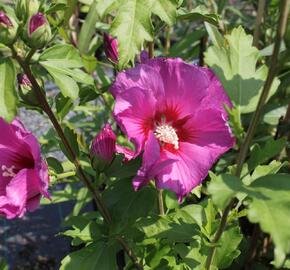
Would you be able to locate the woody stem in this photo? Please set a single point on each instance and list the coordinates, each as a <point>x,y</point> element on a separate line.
<point>39,92</point>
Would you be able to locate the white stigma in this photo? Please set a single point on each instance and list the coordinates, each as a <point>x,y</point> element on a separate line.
<point>167,134</point>
<point>8,171</point>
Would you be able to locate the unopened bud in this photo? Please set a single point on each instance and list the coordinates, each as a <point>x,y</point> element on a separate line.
<point>25,90</point>
<point>26,8</point>
<point>8,29</point>
<point>38,31</point>
<point>103,148</point>
<point>111,48</point>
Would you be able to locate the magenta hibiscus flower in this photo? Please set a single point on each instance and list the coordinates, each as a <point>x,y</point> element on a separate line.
<point>23,173</point>
<point>174,113</point>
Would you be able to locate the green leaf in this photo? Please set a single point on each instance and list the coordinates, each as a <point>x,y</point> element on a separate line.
<point>234,62</point>
<point>223,188</point>
<point>8,96</point>
<point>63,105</point>
<point>170,228</point>
<point>272,168</point>
<point>66,84</point>
<point>127,205</point>
<point>65,54</point>
<point>99,255</point>
<point>3,264</point>
<point>260,154</point>
<point>132,26</point>
<point>165,10</point>
<point>63,67</point>
<point>105,6</point>
<point>84,234</point>
<point>170,199</point>
<point>88,28</point>
<point>72,138</point>
<point>200,13</point>
<point>272,117</point>
<point>269,206</point>
<point>227,249</point>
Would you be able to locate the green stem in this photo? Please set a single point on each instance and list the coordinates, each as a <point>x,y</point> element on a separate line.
<point>79,171</point>
<point>160,202</point>
<point>65,175</point>
<point>29,55</point>
<point>284,8</point>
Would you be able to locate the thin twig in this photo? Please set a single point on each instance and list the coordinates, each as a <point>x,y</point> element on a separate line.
<point>260,13</point>
<point>284,8</point>
<point>96,195</point>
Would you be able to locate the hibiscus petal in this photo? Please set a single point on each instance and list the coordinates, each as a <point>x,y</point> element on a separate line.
<point>191,166</point>
<point>208,128</point>
<point>217,96</point>
<point>135,119</point>
<point>150,156</point>
<point>21,194</point>
<point>12,137</point>
<point>142,77</point>
<point>185,85</point>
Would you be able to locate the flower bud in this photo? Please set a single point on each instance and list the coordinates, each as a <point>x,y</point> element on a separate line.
<point>103,148</point>
<point>38,31</point>
<point>8,29</point>
<point>25,90</point>
<point>111,48</point>
<point>26,8</point>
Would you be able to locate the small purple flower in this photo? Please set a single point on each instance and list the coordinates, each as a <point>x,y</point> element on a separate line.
<point>23,173</point>
<point>4,19</point>
<point>36,21</point>
<point>174,114</point>
<point>23,80</point>
<point>111,48</point>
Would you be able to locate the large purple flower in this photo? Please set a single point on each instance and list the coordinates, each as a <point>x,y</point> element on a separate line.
<point>23,173</point>
<point>174,113</point>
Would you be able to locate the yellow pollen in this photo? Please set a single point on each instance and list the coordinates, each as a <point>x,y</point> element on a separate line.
<point>167,134</point>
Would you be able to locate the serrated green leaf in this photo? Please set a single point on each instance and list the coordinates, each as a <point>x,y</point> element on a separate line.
<point>260,154</point>
<point>234,62</point>
<point>84,234</point>
<point>99,255</point>
<point>8,96</point>
<point>165,10</point>
<point>132,26</point>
